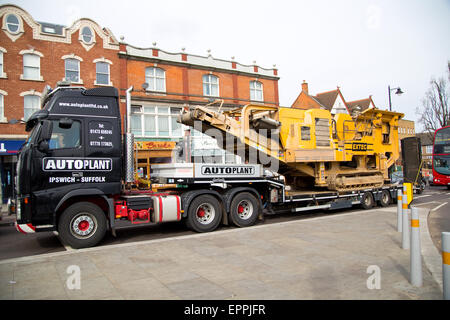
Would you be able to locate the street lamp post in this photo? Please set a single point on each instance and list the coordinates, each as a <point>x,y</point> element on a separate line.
<point>398,92</point>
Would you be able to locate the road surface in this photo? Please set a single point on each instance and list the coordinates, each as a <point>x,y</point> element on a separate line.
<point>14,244</point>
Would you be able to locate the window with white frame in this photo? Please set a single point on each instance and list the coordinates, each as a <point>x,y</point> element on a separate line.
<point>31,104</point>
<point>156,79</point>
<point>102,73</point>
<point>1,64</point>
<point>155,121</point>
<point>72,67</point>
<point>2,108</point>
<point>12,23</point>
<point>87,35</point>
<point>256,91</point>
<point>31,66</point>
<point>210,85</point>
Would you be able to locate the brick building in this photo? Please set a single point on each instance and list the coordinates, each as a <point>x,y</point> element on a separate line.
<point>35,54</point>
<point>405,129</point>
<point>164,83</point>
<point>360,105</point>
<point>332,101</point>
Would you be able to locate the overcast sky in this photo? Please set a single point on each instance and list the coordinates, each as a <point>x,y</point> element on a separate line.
<point>361,46</point>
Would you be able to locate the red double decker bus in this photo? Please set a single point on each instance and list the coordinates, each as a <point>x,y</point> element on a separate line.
<point>441,157</point>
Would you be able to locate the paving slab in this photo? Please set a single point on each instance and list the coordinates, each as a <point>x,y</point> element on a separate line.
<point>318,258</point>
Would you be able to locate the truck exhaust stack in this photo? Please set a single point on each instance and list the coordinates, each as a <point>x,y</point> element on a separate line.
<point>129,142</point>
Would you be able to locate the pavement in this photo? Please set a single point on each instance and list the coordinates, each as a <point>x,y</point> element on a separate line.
<point>331,257</point>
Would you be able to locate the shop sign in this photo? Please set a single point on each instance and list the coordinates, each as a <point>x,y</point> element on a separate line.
<point>10,146</point>
<point>155,145</point>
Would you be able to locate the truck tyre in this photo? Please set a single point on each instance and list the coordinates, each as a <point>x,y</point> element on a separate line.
<point>204,213</point>
<point>82,225</point>
<point>367,201</point>
<point>244,209</point>
<point>386,198</point>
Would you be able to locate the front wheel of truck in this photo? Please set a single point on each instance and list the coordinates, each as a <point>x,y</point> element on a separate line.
<point>82,225</point>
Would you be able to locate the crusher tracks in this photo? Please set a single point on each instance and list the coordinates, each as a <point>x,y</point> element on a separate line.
<point>358,181</point>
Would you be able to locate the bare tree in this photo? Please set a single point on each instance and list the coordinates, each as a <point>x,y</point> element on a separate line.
<point>434,112</point>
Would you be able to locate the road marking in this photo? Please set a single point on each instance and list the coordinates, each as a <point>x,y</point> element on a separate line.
<point>439,206</point>
<point>420,204</point>
<point>427,195</point>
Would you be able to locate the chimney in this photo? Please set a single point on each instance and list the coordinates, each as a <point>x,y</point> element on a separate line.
<point>305,87</point>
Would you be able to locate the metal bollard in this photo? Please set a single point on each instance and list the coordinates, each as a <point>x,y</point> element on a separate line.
<point>416,278</point>
<point>399,210</point>
<point>446,264</point>
<point>405,220</point>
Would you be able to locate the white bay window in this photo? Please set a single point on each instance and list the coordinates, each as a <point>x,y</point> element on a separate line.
<point>155,121</point>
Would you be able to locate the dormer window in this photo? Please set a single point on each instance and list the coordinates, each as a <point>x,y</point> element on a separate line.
<point>86,35</point>
<point>12,23</point>
<point>49,30</point>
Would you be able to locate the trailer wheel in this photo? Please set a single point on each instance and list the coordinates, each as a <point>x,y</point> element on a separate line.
<point>244,209</point>
<point>204,214</point>
<point>386,198</point>
<point>82,225</point>
<point>367,201</point>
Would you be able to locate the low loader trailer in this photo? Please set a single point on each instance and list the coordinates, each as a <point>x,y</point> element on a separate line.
<point>75,175</point>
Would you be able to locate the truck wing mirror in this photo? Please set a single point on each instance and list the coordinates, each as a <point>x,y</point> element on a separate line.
<point>44,146</point>
<point>65,123</point>
<point>46,131</point>
<point>45,136</point>
<point>35,118</point>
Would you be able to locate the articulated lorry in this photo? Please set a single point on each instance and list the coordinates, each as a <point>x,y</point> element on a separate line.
<point>76,176</point>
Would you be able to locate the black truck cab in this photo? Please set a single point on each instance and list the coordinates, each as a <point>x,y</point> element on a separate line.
<point>74,151</point>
